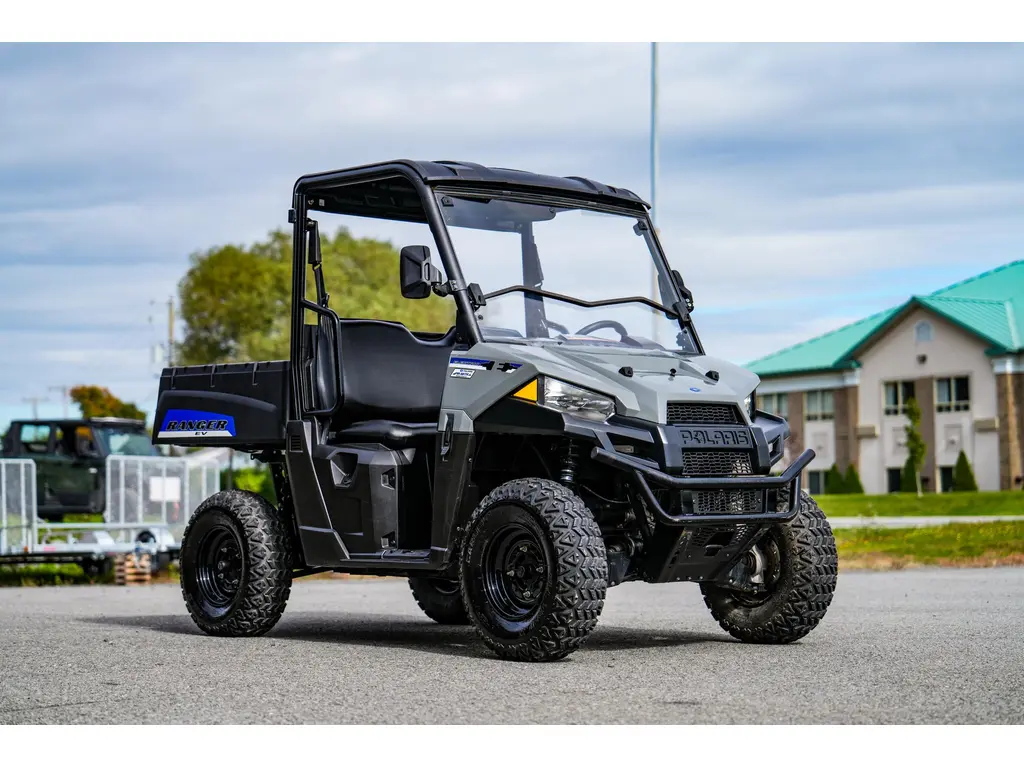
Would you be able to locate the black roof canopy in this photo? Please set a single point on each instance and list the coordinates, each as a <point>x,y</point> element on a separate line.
<point>386,190</point>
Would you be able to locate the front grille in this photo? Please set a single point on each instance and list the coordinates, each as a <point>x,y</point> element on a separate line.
<point>719,464</point>
<point>703,413</point>
<point>725,502</point>
<point>716,463</point>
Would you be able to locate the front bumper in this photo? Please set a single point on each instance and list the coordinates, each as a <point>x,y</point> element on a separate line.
<point>644,474</point>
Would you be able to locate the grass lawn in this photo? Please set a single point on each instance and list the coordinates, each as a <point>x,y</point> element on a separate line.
<point>909,504</point>
<point>971,544</point>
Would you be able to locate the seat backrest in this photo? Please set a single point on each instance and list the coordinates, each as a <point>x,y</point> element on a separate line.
<point>389,373</point>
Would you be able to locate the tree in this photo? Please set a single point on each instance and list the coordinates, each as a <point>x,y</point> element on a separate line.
<point>852,480</point>
<point>916,446</point>
<point>834,481</point>
<point>96,401</point>
<point>908,477</point>
<point>235,300</point>
<point>963,475</point>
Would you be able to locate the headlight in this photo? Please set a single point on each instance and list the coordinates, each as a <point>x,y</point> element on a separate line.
<point>750,403</point>
<point>577,401</point>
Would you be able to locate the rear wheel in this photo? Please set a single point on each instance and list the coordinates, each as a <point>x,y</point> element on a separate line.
<point>533,570</point>
<point>789,575</point>
<point>236,565</point>
<point>440,599</point>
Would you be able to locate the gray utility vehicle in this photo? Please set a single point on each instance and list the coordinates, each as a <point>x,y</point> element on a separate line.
<point>70,457</point>
<point>544,449</point>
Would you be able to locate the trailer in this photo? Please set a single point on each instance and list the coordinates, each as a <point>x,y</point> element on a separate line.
<point>148,502</point>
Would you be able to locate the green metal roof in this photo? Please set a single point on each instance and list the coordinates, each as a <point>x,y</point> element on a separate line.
<point>989,305</point>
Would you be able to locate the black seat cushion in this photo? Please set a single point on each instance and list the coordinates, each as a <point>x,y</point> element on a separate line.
<point>390,433</point>
<point>389,374</point>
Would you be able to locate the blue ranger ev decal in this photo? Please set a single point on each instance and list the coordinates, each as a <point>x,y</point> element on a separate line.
<point>184,423</point>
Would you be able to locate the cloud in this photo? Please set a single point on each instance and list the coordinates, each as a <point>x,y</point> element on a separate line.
<point>801,185</point>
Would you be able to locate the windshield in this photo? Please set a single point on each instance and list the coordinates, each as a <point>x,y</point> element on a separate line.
<point>509,247</point>
<point>125,442</point>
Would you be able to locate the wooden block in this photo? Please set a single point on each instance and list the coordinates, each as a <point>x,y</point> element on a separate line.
<point>129,569</point>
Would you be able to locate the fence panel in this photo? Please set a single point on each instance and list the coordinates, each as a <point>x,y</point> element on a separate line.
<point>17,505</point>
<point>157,490</point>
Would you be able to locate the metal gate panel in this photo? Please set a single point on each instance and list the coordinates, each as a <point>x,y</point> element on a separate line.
<point>17,505</point>
<point>157,490</point>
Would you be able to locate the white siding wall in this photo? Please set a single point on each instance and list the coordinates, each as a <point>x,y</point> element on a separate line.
<point>821,437</point>
<point>952,352</point>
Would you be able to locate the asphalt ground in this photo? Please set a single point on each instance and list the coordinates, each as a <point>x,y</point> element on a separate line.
<point>915,646</point>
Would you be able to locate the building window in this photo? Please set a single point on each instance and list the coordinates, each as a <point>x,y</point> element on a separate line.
<point>897,393</point>
<point>815,481</point>
<point>945,479</point>
<point>777,404</point>
<point>819,405</point>
<point>892,477</point>
<point>952,394</point>
<point>923,332</point>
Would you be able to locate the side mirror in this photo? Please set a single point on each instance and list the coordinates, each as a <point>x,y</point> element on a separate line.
<point>418,275</point>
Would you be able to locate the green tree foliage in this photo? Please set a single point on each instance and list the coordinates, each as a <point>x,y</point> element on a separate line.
<point>834,481</point>
<point>96,401</point>
<point>852,480</point>
<point>916,446</point>
<point>963,475</point>
<point>256,479</point>
<point>235,300</point>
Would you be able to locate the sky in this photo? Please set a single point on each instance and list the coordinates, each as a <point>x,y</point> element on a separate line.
<point>800,187</point>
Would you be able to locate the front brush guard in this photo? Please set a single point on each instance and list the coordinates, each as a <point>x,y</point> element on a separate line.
<point>642,472</point>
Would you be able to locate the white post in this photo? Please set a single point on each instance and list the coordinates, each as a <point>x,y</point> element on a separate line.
<point>654,180</point>
<point>3,508</point>
<point>163,504</point>
<point>25,507</point>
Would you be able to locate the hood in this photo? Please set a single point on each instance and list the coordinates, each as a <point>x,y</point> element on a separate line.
<point>658,377</point>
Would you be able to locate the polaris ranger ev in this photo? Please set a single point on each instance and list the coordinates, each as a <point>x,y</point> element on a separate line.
<point>566,434</point>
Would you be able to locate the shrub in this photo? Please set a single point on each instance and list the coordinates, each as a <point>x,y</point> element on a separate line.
<point>908,477</point>
<point>834,481</point>
<point>963,476</point>
<point>852,480</point>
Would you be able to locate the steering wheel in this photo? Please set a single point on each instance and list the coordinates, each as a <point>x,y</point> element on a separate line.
<point>615,326</point>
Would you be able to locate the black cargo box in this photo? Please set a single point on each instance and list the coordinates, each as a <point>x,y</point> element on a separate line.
<point>241,405</point>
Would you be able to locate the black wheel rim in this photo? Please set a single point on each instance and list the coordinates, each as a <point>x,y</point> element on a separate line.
<point>515,572</point>
<point>219,566</point>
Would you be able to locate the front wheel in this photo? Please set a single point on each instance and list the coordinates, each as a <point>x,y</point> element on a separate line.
<point>236,565</point>
<point>534,570</point>
<point>790,577</point>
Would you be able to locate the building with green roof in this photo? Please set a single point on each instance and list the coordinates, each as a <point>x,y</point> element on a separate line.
<point>957,351</point>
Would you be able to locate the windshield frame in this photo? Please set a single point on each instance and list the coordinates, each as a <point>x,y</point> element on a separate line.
<point>639,212</point>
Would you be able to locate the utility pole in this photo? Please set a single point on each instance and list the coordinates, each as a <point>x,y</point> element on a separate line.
<point>654,178</point>
<point>35,405</point>
<point>64,392</point>
<point>170,331</point>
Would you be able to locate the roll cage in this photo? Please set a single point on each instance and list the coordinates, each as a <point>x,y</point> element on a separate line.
<point>404,190</point>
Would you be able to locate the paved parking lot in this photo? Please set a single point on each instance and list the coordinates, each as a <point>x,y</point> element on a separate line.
<point>920,646</point>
